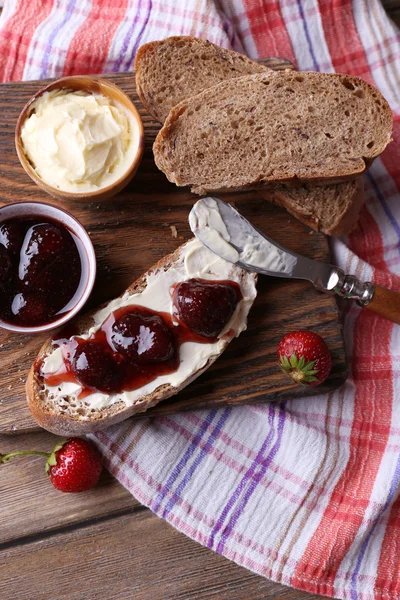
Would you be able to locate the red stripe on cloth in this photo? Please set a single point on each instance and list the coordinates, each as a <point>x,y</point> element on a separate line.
<point>391,157</point>
<point>366,240</point>
<point>372,403</point>
<point>343,40</point>
<point>372,413</point>
<point>16,37</point>
<point>389,560</point>
<point>268,29</point>
<point>88,50</point>
<point>372,406</point>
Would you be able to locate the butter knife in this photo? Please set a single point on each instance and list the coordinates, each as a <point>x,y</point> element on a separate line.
<point>224,231</point>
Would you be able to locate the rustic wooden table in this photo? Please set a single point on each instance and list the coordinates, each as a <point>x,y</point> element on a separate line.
<point>104,544</point>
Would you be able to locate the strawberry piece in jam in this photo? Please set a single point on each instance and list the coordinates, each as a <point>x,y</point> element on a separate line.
<point>205,307</point>
<point>42,245</point>
<point>40,271</point>
<point>143,336</point>
<point>95,367</point>
<point>29,309</point>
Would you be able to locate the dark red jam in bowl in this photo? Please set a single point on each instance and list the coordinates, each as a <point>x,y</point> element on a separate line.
<point>135,344</point>
<point>41,270</point>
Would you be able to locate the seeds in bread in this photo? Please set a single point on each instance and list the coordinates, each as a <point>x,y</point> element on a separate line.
<point>169,70</point>
<point>332,209</point>
<point>63,412</point>
<point>274,127</point>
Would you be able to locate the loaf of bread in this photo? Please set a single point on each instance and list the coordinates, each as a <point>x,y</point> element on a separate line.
<point>64,413</point>
<point>274,127</point>
<point>169,70</point>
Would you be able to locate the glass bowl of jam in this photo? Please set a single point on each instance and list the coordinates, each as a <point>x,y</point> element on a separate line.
<point>47,267</point>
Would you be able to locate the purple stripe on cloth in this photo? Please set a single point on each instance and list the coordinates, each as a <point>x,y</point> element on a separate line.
<point>385,206</point>
<point>139,37</point>
<point>128,37</point>
<point>47,49</point>
<point>185,458</point>
<point>249,473</point>
<point>202,454</point>
<point>305,27</point>
<point>229,30</point>
<point>255,480</point>
<point>392,491</point>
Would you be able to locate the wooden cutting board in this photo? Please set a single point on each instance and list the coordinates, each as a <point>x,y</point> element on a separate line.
<point>134,230</point>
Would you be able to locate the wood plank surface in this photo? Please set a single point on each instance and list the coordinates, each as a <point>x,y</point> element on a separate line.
<point>130,233</point>
<point>29,503</point>
<point>135,556</point>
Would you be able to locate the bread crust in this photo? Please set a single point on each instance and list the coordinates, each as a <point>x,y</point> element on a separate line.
<point>66,424</point>
<point>149,47</point>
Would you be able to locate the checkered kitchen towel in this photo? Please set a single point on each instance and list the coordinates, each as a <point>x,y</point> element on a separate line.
<point>305,493</point>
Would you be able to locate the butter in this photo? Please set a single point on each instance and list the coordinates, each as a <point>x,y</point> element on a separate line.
<point>206,217</point>
<point>197,261</point>
<point>79,142</point>
<point>256,251</point>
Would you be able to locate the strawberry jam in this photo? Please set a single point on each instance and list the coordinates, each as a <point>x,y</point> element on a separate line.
<point>40,271</point>
<point>135,345</point>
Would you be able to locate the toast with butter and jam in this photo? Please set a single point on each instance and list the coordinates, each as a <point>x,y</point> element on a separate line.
<point>165,330</point>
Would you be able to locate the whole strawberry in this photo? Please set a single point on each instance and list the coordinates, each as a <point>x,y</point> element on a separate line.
<point>73,465</point>
<point>305,357</point>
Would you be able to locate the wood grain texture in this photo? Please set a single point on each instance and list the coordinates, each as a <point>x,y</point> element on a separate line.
<point>130,233</point>
<point>30,506</point>
<point>385,303</point>
<point>135,556</point>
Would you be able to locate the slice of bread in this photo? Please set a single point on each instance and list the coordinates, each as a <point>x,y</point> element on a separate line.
<point>274,127</point>
<point>332,209</point>
<point>69,415</point>
<point>169,70</point>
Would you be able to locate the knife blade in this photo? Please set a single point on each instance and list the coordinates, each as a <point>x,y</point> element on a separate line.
<point>222,229</point>
<point>227,233</point>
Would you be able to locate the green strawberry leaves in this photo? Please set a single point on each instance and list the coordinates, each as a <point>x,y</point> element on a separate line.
<point>52,460</point>
<point>301,371</point>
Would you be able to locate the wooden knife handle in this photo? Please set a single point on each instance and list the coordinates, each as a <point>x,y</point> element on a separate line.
<point>385,303</point>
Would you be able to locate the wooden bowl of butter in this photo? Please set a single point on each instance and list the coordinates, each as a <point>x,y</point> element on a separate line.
<point>80,138</point>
